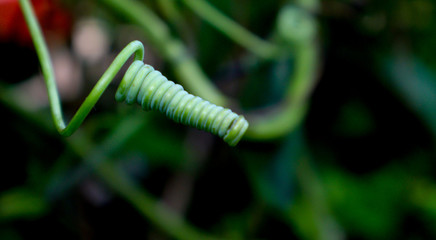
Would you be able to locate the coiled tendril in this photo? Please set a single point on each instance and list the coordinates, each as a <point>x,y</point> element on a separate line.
<point>153,91</point>
<point>143,84</point>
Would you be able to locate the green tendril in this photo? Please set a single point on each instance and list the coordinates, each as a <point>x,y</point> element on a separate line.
<point>142,84</point>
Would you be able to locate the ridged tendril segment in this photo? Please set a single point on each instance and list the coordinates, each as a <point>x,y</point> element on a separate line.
<point>153,91</point>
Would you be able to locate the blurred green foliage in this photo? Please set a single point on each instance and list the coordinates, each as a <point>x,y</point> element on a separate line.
<point>360,166</point>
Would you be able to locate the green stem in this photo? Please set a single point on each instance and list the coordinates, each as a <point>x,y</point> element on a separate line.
<point>286,117</point>
<point>326,227</point>
<point>169,10</point>
<point>278,123</point>
<point>159,215</point>
<point>306,68</point>
<point>310,5</point>
<point>46,65</point>
<point>47,69</point>
<point>232,29</point>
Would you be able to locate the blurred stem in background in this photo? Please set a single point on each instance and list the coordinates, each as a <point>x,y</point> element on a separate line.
<point>233,30</point>
<point>313,200</point>
<point>121,183</point>
<point>170,10</point>
<point>286,117</point>
<point>310,5</point>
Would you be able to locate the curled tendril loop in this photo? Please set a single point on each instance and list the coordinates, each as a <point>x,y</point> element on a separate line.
<point>153,91</point>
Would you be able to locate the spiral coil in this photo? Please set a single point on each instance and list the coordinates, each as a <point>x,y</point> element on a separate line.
<point>141,83</point>
<point>153,91</point>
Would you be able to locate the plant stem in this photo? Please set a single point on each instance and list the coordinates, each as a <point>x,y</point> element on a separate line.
<point>286,117</point>
<point>232,29</point>
<point>46,65</point>
<point>41,49</point>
